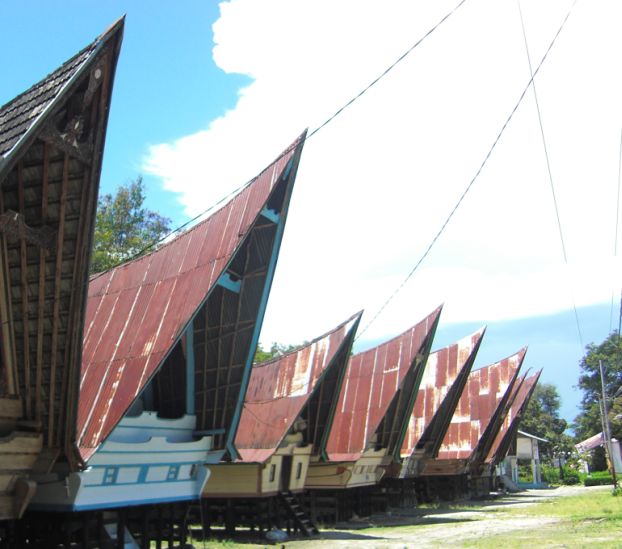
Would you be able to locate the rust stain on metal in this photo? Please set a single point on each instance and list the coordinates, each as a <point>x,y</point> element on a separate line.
<point>484,392</point>
<point>372,380</point>
<point>440,382</point>
<point>520,401</point>
<point>279,389</point>
<point>136,312</point>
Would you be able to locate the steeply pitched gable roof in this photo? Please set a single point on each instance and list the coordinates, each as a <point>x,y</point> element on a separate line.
<point>445,375</point>
<point>139,310</point>
<point>508,430</point>
<point>21,116</point>
<point>485,391</point>
<point>279,389</point>
<point>51,147</point>
<point>373,380</point>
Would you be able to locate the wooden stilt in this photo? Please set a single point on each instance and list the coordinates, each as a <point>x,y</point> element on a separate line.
<point>120,529</point>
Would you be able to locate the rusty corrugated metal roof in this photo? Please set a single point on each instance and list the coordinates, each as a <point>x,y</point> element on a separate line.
<point>372,387</point>
<point>279,390</point>
<point>484,393</point>
<point>510,425</point>
<point>139,310</point>
<point>446,373</point>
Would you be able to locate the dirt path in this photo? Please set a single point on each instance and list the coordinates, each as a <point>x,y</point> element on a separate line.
<point>441,527</point>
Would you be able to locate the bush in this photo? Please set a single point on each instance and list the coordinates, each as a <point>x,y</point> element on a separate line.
<point>598,480</point>
<point>552,475</point>
<point>570,477</point>
<point>600,474</point>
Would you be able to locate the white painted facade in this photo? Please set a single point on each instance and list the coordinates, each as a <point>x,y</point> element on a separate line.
<point>146,460</point>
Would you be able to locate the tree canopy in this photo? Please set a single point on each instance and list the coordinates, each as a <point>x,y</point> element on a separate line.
<point>276,350</point>
<point>124,228</point>
<point>541,418</point>
<point>588,422</point>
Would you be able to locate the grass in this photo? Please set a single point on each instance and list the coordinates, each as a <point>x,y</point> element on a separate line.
<point>593,519</point>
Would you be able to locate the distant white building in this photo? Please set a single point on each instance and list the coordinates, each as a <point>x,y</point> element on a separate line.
<point>597,440</point>
<point>524,449</point>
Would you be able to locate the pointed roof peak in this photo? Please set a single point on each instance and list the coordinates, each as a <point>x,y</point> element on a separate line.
<point>24,113</point>
<point>349,323</point>
<point>222,204</point>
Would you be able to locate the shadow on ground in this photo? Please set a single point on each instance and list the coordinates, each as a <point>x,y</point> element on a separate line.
<point>450,513</point>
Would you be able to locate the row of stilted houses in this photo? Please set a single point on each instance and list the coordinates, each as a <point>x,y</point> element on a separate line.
<point>131,408</point>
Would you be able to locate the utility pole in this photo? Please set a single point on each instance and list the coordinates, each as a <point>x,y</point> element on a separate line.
<point>607,430</point>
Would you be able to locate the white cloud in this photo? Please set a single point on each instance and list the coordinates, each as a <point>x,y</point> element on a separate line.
<point>375,185</point>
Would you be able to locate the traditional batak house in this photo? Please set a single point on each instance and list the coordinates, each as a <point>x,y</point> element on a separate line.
<point>289,407</point>
<point>507,434</point>
<point>446,373</point>
<point>51,147</point>
<point>370,423</point>
<point>169,341</point>
<point>477,420</point>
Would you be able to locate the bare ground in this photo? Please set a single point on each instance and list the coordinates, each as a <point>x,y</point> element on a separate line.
<point>442,527</point>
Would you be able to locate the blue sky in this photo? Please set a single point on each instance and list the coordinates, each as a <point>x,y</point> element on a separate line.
<point>165,84</point>
<point>206,94</point>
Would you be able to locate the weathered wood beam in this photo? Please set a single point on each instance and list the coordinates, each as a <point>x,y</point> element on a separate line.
<point>14,224</point>
<point>41,306</point>
<point>70,386</point>
<point>56,305</point>
<point>24,300</point>
<point>67,142</point>
<point>98,96</point>
<point>95,79</point>
<point>6,318</point>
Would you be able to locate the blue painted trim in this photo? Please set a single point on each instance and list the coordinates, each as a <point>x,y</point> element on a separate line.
<point>110,476</point>
<point>142,475</point>
<point>148,428</point>
<point>140,452</point>
<point>228,283</point>
<point>270,215</point>
<point>278,237</point>
<point>173,473</point>
<point>114,504</point>
<point>159,464</point>
<point>289,166</point>
<point>138,484</point>
<point>190,368</point>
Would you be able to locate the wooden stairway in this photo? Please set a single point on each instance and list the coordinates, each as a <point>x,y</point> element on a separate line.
<point>301,519</point>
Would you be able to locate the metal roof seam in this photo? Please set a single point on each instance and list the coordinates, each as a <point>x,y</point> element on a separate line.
<point>172,300</point>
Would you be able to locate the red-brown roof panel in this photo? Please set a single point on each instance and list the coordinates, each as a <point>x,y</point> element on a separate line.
<point>485,391</point>
<point>372,380</point>
<point>279,389</point>
<point>441,372</point>
<point>510,424</point>
<point>137,311</point>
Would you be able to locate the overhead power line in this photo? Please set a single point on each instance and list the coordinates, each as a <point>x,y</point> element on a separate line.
<point>548,167</point>
<point>308,136</point>
<point>473,179</point>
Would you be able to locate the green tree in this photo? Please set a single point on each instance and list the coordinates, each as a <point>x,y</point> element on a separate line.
<point>541,418</point>
<point>124,227</point>
<point>277,349</point>
<point>588,422</point>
